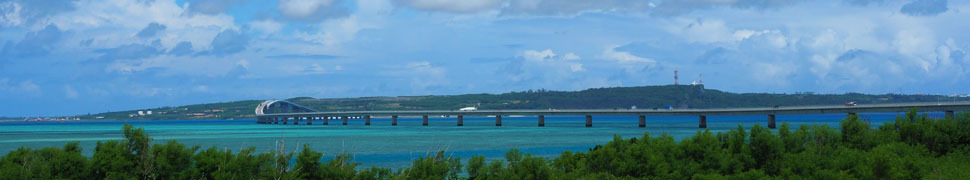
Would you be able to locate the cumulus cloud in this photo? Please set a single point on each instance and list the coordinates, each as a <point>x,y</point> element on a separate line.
<point>229,42</point>
<point>572,7</point>
<point>181,49</point>
<point>924,7</point>
<point>576,67</point>
<point>35,43</point>
<point>314,69</point>
<point>10,14</point>
<point>423,75</point>
<point>555,67</point>
<point>211,7</point>
<point>70,92</point>
<point>610,53</point>
<point>239,71</point>
<point>130,51</point>
<point>713,56</point>
<point>27,87</point>
<point>863,2</point>
<point>456,6</point>
<point>311,10</point>
<point>26,12</point>
<point>672,8</point>
<point>267,26</point>
<point>150,30</point>
<point>303,56</point>
<point>547,55</point>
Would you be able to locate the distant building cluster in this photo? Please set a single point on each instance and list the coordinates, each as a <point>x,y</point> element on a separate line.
<point>52,119</point>
<point>141,113</point>
<point>960,95</point>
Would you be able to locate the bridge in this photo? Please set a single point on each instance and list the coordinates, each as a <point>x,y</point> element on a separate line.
<point>276,111</point>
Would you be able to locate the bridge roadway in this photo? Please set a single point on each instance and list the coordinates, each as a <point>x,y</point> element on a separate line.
<point>947,107</point>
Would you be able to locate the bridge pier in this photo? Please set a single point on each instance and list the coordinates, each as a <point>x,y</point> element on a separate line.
<point>367,120</point>
<point>589,121</point>
<point>309,120</point>
<point>424,120</point>
<point>642,121</point>
<point>498,120</point>
<point>703,121</point>
<point>771,121</point>
<point>461,120</point>
<point>286,120</point>
<point>296,120</point>
<point>326,120</point>
<point>948,115</point>
<point>542,120</point>
<point>276,120</point>
<point>344,118</point>
<point>394,120</point>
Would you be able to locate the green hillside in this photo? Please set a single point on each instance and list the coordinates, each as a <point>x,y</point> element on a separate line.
<point>644,97</point>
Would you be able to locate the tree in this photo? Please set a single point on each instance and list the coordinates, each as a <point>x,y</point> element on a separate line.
<point>172,160</point>
<point>766,149</point>
<point>308,165</point>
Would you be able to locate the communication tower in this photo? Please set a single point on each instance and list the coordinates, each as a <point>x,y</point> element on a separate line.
<point>675,77</point>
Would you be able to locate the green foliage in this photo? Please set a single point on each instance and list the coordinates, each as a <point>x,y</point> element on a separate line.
<point>47,163</point>
<point>172,160</point>
<point>434,166</point>
<point>912,147</point>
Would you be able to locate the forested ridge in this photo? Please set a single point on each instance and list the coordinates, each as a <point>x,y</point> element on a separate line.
<point>912,147</point>
<point>643,97</point>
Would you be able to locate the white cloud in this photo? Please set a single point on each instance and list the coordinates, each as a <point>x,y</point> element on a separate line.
<point>370,14</point>
<point>201,88</point>
<point>243,63</point>
<point>70,92</point>
<point>703,31</point>
<point>104,21</point>
<point>10,14</point>
<point>715,31</point>
<point>533,55</point>
<point>610,53</point>
<point>302,8</point>
<point>425,67</point>
<point>27,87</point>
<point>570,56</point>
<point>576,67</point>
<point>423,74</point>
<point>267,26</point>
<point>314,69</point>
<point>547,55</point>
<point>458,6</point>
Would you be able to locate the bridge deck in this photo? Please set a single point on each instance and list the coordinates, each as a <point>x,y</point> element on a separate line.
<point>902,107</point>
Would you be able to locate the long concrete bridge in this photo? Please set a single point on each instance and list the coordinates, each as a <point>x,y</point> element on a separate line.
<point>277,111</point>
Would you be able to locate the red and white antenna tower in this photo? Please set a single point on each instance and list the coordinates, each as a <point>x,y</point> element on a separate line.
<point>702,78</point>
<point>675,77</point>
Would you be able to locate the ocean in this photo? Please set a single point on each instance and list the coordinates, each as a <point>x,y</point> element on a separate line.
<point>383,145</point>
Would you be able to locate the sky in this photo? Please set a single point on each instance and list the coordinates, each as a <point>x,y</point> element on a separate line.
<point>67,57</point>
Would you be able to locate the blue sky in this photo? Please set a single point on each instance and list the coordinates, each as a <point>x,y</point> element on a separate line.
<point>78,56</point>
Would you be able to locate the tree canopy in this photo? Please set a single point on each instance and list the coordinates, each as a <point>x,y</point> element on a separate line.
<point>912,147</point>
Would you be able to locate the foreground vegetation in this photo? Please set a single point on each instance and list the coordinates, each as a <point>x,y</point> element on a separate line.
<point>912,147</point>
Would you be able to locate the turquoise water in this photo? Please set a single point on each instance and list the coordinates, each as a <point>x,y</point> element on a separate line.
<point>384,145</point>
